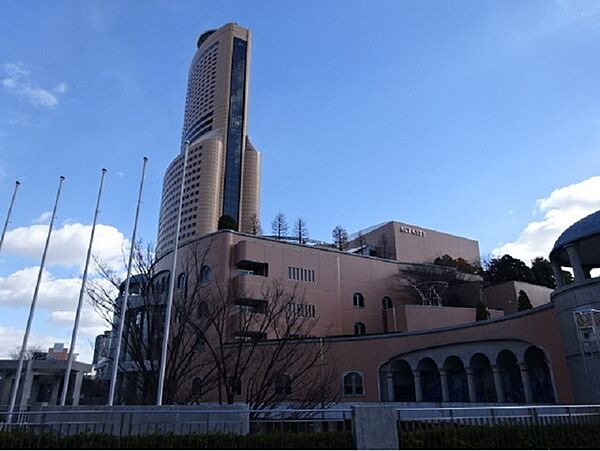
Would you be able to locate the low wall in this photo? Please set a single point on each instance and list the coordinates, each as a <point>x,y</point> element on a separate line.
<point>142,420</point>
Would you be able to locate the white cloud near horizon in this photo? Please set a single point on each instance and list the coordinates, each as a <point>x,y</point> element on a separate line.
<point>12,338</point>
<point>18,81</point>
<point>57,299</point>
<point>68,244</point>
<point>560,209</point>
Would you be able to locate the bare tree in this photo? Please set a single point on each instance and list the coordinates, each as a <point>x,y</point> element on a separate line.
<point>15,353</point>
<point>279,225</point>
<point>432,284</point>
<point>224,345</point>
<point>300,230</point>
<point>384,246</point>
<point>258,350</point>
<point>255,228</point>
<point>144,325</point>
<point>340,237</point>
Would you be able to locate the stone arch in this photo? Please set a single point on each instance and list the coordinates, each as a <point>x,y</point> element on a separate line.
<point>510,374</point>
<point>483,378</point>
<point>430,380</point>
<point>458,390</point>
<point>539,374</point>
<point>403,381</point>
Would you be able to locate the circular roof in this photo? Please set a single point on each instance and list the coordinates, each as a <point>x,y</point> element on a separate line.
<point>586,228</point>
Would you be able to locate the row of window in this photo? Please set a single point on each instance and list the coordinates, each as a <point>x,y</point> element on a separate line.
<point>358,300</point>
<point>353,385</point>
<point>301,274</point>
<point>302,310</point>
<point>205,273</point>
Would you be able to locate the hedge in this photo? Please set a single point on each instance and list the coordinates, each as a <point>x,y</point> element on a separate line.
<point>559,436</point>
<point>23,439</point>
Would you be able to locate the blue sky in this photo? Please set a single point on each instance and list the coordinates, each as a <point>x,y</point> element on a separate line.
<point>476,118</point>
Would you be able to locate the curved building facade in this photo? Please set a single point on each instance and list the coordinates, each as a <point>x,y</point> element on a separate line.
<point>223,168</point>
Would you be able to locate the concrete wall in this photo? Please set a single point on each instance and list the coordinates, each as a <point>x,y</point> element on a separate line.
<point>366,354</point>
<point>410,243</point>
<point>425,317</point>
<point>503,296</point>
<point>576,296</point>
<point>142,420</point>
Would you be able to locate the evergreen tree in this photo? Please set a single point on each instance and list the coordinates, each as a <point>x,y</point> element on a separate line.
<point>541,272</point>
<point>481,311</point>
<point>226,222</point>
<point>523,302</point>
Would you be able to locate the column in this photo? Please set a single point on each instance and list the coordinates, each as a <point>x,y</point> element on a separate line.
<point>558,276</point>
<point>471,384</point>
<point>26,384</point>
<point>418,387</point>
<point>7,383</point>
<point>444,381</point>
<point>575,262</point>
<point>389,379</point>
<point>526,381</point>
<point>498,383</point>
<point>77,388</point>
<point>552,381</point>
<point>56,383</point>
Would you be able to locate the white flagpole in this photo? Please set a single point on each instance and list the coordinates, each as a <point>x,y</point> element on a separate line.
<point>12,201</point>
<point>63,398</point>
<point>165,342</point>
<point>115,370</point>
<point>15,388</point>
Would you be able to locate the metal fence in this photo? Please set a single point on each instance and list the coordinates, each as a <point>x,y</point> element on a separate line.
<point>128,421</point>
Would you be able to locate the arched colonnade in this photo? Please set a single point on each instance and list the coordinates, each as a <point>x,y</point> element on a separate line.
<point>499,371</point>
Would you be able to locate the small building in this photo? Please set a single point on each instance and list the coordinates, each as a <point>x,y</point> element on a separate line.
<point>42,378</point>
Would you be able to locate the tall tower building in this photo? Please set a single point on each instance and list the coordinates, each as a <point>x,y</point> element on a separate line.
<point>223,168</point>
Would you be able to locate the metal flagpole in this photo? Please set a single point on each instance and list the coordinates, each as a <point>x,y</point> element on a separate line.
<point>115,370</point>
<point>63,398</point>
<point>165,340</point>
<point>12,201</point>
<point>15,388</point>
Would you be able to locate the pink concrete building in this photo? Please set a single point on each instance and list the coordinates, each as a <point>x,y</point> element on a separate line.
<point>385,346</point>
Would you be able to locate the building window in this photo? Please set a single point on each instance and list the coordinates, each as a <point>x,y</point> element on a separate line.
<point>283,384</point>
<point>386,303</point>
<point>205,274</point>
<point>302,310</point>
<point>353,384</point>
<point>358,300</point>
<point>360,329</point>
<point>181,280</point>
<point>196,386</point>
<point>301,274</point>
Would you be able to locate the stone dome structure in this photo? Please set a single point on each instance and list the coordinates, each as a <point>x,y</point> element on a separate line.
<point>584,236</point>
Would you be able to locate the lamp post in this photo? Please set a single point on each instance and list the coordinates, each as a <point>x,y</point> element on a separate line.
<point>15,388</point>
<point>63,398</point>
<point>115,370</point>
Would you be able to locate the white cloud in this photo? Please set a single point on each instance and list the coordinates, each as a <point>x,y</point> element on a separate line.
<point>18,81</point>
<point>44,218</point>
<point>68,244</point>
<point>57,298</point>
<point>17,289</point>
<point>61,88</point>
<point>12,338</point>
<point>560,209</point>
